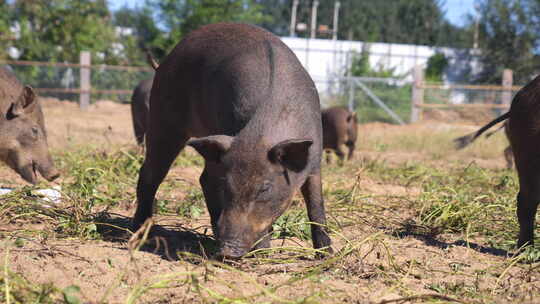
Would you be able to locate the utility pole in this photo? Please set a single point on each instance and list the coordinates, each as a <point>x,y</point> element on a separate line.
<point>293,18</point>
<point>314,18</point>
<point>476,24</point>
<point>337,4</point>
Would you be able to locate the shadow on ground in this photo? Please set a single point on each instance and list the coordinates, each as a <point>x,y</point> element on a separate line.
<point>429,238</point>
<point>169,242</point>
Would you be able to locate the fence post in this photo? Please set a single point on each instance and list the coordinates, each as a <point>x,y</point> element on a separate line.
<point>84,97</point>
<point>350,82</point>
<point>507,81</point>
<point>417,93</point>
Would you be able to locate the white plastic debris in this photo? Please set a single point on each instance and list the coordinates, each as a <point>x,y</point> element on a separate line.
<point>52,195</point>
<point>5,191</point>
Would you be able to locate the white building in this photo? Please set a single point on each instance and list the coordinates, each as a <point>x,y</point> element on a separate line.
<point>327,60</point>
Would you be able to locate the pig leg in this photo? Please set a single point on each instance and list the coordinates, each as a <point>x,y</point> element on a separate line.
<point>160,154</point>
<point>328,156</point>
<point>351,147</point>
<point>340,154</point>
<point>509,156</point>
<point>312,192</point>
<point>139,124</point>
<point>527,205</point>
<point>210,186</point>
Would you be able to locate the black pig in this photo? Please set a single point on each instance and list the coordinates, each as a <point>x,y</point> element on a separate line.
<point>256,115</point>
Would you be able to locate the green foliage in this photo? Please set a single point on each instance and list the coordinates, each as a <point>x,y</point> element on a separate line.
<point>294,223</point>
<point>360,66</point>
<point>445,210</point>
<point>70,294</point>
<point>21,290</point>
<point>278,14</point>
<point>435,67</point>
<point>393,21</point>
<point>396,97</point>
<point>58,30</point>
<point>508,39</point>
<point>101,178</point>
<point>146,34</point>
<point>182,17</point>
<point>5,33</point>
<point>469,200</point>
<point>193,206</point>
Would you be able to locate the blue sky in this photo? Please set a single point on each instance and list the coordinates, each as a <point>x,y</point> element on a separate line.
<point>456,10</point>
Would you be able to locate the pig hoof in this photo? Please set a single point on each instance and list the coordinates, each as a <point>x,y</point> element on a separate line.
<point>135,225</point>
<point>326,252</point>
<point>522,244</point>
<point>230,253</point>
<point>264,244</point>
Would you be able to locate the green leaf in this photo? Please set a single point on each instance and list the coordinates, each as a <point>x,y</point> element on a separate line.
<point>70,296</point>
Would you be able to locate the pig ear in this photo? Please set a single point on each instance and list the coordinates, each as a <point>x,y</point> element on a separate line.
<point>293,154</point>
<point>24,104</point>
<point>211,147</point>
<point>352,117</point>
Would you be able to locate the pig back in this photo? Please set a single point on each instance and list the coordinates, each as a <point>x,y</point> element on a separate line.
<point>223,77</point>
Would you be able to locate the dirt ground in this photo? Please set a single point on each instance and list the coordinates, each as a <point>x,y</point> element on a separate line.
<point>372,262</point>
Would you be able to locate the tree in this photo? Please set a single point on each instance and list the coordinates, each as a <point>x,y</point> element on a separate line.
<point>180,17</point>
<point>145,33</point>
<point>5,33</point>
<point>392,21</point>
<point>278,14</point>
<point>58,30</point>
<point>507,39</point>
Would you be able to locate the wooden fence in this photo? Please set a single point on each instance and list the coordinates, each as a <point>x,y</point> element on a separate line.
<point>85,67</point>
<point>420,85</point>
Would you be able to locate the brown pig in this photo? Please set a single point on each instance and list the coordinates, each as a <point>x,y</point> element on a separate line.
<point>256,115</point>
<point>340,128</point>
<point>523,132</point>
<point>23,139</point>
<point>140,108</point>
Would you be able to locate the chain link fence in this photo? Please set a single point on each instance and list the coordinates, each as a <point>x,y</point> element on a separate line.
<point>373,99</point>
<point>63,80</point>
<point>388,100</point>
<point>399,101</point>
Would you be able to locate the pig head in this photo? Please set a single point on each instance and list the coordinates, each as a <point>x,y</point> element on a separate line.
<point>252,185</point>
<point>23,139</point>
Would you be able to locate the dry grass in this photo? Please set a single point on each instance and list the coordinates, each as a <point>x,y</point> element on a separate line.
<point>411,220</point>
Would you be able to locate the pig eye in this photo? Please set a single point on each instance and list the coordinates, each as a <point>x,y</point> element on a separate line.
<point>35,131</point>
<point>265,188</point>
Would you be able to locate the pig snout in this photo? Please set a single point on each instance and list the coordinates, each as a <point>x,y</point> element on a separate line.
<point>234,235</point>
<point>51,174</point>
<point>231,250</point>
<point>48,171</point>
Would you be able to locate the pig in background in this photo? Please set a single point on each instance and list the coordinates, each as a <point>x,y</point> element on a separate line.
<point>140,109</point>
<point>140,103</point>
<point>23,139</point>
<point>340,128</point>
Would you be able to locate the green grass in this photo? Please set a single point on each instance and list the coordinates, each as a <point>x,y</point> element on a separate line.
<point>451,203</point>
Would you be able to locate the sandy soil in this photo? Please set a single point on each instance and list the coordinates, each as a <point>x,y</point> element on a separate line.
<point>387,265</point>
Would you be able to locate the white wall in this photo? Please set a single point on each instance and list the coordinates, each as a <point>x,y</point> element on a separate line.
<point>327,59</point>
